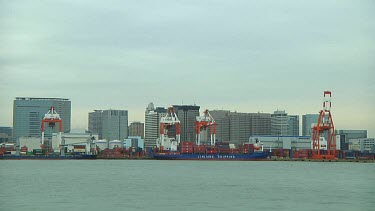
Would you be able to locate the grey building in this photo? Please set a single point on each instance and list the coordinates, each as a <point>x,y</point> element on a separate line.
<point>28,113</point>
<point>346,135</point>
<point>187,115</point>
<point>240,127</point>
<point>260,124</point>
<point>152,124</point>
<point>293,125</point>
<point>96,123</point>
<point>6,134</point>
<point>279,123</point>
<point>222,119</point>
<point>237,127</point>
<point>308,120</point>
<point>136,129</point>
<point>109,124</point>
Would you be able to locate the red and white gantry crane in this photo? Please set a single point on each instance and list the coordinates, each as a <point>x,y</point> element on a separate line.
<point>52,117</point>
<point>324,126</point>
<point>167,122</point>
<point>204,122</point>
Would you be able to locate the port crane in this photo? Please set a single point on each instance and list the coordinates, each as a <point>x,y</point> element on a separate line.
<point>52,117</point>
<point>166,122</point>
<point>324,126</point>
<point>204,122</point>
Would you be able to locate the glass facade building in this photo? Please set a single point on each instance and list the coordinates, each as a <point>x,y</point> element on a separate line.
<point>308,120</point>
<point>29,112</point>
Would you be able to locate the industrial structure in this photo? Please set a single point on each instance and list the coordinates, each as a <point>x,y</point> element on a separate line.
<point>166,123</point>
<point>206,123</point>
<point>52,117</point>
<point>324,126</point>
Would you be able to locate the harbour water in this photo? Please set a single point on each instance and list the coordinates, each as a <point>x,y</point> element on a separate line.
<point>185,185</point>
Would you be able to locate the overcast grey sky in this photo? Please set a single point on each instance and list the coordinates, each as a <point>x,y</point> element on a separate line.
<point>245,56</point>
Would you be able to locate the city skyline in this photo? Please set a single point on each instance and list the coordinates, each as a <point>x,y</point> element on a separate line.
<point>245,57</point>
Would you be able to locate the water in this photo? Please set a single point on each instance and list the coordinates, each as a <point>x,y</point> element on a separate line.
<point>185,185</point>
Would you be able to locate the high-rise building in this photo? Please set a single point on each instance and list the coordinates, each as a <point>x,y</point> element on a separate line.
<point>152,124</point>
<point>260,124</point>
<point>308,121</point>
<point>109,124</point>
<point>279,123</point>
<point>222,119</point>
<point>28,114</point>
<point>96,123</point>
<point>136,129</point>
<point>293,125</point>
<point>187,115</point>
<point>346,135</point>
<point>240,127</point>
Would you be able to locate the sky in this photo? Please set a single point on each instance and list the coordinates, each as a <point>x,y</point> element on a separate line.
<point>244,56</point>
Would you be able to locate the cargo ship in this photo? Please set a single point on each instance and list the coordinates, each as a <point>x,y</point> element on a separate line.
<point>171,148</point>
<point>221,151</point>
<point>234,157</point>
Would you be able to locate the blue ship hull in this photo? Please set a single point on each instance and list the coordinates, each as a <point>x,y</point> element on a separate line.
<point>240,157</point>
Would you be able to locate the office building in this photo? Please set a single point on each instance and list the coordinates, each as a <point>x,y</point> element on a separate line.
<point>362,144</point>
<point>6,134</point>
<point>187,115</point>
<point>346,135</point>
<point>136,129</point>
<point>152,124</point>
<point>109,124</point>
<point>222,119</point>
<point>279,123</point>
<point>260,124</point>
<point>240,127</point>
<point>237,127</point>
<point>293,125</point>
<point>308,121</point>
<point>96,123</point>
<point>28,114</point>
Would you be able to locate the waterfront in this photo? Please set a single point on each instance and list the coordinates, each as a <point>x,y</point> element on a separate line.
<point>185,185</point>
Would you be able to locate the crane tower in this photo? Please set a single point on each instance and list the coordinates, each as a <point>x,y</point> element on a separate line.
<point>167,122</point>
<point>324,126</point>
<point>52,117</point>
<point>204,122</point>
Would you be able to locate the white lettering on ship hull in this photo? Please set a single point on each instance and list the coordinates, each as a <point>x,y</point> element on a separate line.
<point>217,156</point>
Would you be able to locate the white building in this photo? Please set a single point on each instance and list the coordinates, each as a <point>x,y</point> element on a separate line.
<point>152,124</point>
<point>30,142</point>
<point>134,141</point>
<point>284,142</point>
<point>362,144</point>
<point>279,123</point>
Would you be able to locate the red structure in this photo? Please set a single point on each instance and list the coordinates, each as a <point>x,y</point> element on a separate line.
<point>204,122</point>
<point>326,127</point>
